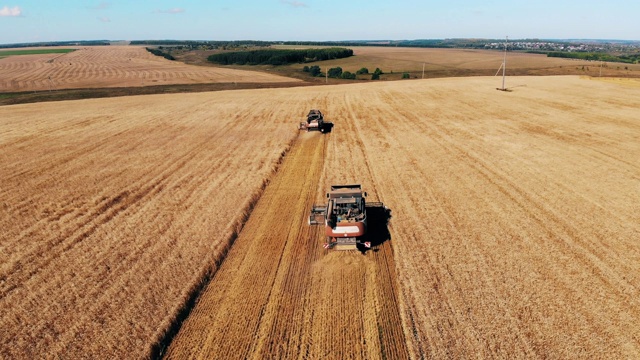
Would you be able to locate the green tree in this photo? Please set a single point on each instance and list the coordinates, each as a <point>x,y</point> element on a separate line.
<point>278,56</point>
<point>314,70</point>
<point>305,68</point>
<point>376,74</point>
<point>348,75</point>
<point>405,76</point>
<point>364,70</point>
<point>335,72</point>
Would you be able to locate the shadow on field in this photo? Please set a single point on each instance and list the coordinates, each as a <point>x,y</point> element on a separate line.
<point>377,227</point>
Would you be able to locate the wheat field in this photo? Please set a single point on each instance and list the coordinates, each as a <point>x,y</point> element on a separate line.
<point>516,222</point>
<point>113,211</point>
<point>113,66</point>
<point>513,234</point>
<point>437,63</point>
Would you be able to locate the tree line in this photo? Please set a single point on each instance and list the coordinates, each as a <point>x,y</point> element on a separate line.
<point>196,43</point>
<point>279,57</point>
<point>58,43</point>
<point>628,59</point>
<point>158,52</point>
<point>337,73</point>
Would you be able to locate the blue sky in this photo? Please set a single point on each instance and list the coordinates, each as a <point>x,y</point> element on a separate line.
<point>316,20</point>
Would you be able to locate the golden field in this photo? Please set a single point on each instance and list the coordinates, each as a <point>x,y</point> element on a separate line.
<point>438,63</point>
<point>514,229</point>
<point>112,66</point>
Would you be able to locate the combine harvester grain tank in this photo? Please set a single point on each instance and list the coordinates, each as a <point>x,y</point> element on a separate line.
<point>344,217</point>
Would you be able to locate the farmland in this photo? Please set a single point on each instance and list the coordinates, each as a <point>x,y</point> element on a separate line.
<point>114,210</point>
<point>111,66</point>
<point>514,229</point>
<point>455,62</point>
<point>5,53</point>
<point>108,71</point>
<point>305,300</point>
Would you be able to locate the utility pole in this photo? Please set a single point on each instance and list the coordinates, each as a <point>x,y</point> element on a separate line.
<point>503,66</point>
<point>423,70</point>
<point>504,63</point>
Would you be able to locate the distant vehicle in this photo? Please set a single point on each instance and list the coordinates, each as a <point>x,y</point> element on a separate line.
<point>344,217</point>
<point>315,122</point>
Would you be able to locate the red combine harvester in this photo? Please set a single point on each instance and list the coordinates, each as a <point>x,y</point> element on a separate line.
<point>315,122</point>
<point>344,217</point>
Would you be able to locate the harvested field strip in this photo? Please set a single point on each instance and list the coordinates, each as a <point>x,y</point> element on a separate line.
<point>279,294</point>
<point>113,66</point>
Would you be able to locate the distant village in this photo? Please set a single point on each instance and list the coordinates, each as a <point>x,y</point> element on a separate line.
<point>546,46</point>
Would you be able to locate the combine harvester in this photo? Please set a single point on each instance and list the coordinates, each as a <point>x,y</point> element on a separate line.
<point>315,122</point>
<point>344,217</point>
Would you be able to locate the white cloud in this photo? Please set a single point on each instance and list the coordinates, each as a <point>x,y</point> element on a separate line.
<point>104,19</point>
<point>294,3</point>
<point>171,11</point>
<point>14,11</point>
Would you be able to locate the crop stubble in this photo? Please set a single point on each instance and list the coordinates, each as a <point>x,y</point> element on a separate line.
<point>514,230</point>
<point>438,63</point>
<point>112,66</point>
<point>279,294</point>
<point>515,220</point>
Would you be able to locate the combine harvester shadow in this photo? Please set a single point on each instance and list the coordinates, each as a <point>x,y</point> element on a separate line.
<point>377,229</point>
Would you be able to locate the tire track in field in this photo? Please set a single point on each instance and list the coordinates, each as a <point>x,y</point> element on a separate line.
<point>392,338</point>
<point>227,319</point>
<point>554,223</point>
<point>445,284</point>
<point>279,294</point>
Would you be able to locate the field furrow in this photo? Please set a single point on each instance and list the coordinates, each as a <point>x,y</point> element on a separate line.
<point>306,302</point>
<point>107,66</point>
<point>123,210</point>
<point>515,219</point>
<point>493,204</point>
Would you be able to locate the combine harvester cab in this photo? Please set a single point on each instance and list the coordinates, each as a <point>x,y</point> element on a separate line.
<point>315,122</point>
<point>344,217</point>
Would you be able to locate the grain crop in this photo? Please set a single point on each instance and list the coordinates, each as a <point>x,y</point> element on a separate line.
<point>113,210</point>
<point>280,294</point>
<point>513,233</point>
<point>515,215</point>
<point>438,63</point>
<point>514,226</point>
<point>112,66</point>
